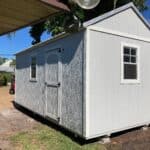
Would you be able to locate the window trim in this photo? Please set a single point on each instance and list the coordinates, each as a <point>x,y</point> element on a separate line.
<point>130,81</point>
<point>33,79</point>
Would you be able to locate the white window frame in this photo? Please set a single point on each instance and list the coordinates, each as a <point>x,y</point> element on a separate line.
<point>130,81</point>
<point>33,79</point>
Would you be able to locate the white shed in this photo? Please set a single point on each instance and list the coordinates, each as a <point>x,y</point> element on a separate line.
<point>94,82</point>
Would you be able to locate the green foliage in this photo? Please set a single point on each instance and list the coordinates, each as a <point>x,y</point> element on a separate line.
<point>2,60</point>
<point>56,25</point>
<point>36,32</point>
<point>70,22</point>
<point>47,138</point>
<point>13,63</point>
<point>140,4</point>
<point>5,78</point>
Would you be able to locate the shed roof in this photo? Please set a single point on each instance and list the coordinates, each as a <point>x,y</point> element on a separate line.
<point>15,14</point>
<point>116,11</point>
<point>94,21</point>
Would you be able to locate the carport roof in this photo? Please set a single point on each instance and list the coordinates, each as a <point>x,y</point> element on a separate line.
<point>15,14</point>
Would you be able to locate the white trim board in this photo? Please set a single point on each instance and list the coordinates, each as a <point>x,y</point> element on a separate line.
<point>87,107</point>
<point>121,34</point>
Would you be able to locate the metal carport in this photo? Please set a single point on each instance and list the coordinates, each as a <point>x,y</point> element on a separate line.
<point>16,14</point>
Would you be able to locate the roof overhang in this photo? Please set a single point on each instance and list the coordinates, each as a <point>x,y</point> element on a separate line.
<point>116,11</point>
<point>16,14</point>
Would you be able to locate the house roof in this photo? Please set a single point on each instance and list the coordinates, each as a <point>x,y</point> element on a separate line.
<point>116,11</point>
<point>7,69</point>
<point>15,14</point>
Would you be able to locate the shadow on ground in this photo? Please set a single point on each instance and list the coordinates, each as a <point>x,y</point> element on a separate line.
<point>134,139</point>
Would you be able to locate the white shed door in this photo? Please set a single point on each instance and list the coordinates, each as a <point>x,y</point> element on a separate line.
<point>53,77</point>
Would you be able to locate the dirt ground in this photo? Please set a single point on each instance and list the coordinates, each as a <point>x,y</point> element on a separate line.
<point>5,98</point>
<point>13,121</point>
<point>137,139</point>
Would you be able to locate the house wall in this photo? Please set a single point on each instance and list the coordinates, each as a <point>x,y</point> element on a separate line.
<point>112,106</point>
<point>32,94</point>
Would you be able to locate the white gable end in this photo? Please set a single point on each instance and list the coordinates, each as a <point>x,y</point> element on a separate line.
<point>127,22</point>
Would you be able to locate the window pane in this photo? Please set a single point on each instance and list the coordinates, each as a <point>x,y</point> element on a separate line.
<point>126,50</point>
<point>133,59</point>
<point>33,60</point>
<point>33,73</point>
<point>133,51</point>
<point>130,71</point>
<point>33,67</point>
<point>126,58</point>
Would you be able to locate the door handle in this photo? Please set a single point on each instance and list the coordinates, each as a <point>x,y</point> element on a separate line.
<point>53,85</point>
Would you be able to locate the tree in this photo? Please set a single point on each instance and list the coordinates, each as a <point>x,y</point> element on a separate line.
<point>13,63</point>
<point>36,32</point>
<point>69,22</point>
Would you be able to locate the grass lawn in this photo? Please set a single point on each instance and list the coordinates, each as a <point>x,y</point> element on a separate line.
<point>46,138</point>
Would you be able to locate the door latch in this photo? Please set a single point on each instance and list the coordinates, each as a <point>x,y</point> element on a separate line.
<point>58,84</point>
<point>53,85</point>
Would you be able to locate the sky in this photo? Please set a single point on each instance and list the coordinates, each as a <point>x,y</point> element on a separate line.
<point>18,41</point>
<point>147,13</point>
<point>22,40</point>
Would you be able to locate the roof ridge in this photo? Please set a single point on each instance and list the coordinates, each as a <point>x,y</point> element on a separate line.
<point>116,11</point>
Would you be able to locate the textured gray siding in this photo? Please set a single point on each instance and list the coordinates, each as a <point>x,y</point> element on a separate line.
<point>32,94</point>
<point>29,93</point>
<point>72,83</point>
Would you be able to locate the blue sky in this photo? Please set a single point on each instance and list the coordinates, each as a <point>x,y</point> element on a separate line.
<point>22,40</point>
<point>18,41</point>
<point>147,13</point>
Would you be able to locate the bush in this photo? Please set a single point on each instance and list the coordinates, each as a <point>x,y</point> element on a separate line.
<point>5,78</point>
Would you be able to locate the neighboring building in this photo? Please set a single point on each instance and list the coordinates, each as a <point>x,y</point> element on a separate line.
<point>7,67</point>
<point>94,82</point>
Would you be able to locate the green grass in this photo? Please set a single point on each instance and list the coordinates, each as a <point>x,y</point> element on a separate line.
<point>46,138</point>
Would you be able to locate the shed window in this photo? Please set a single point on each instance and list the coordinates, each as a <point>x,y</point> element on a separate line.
<point>130,64</point>
<point>33,67</point>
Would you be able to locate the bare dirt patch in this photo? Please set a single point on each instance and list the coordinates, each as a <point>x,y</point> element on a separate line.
<point>13,121</point>
<point>5,98</point>
<point>132,140</point>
